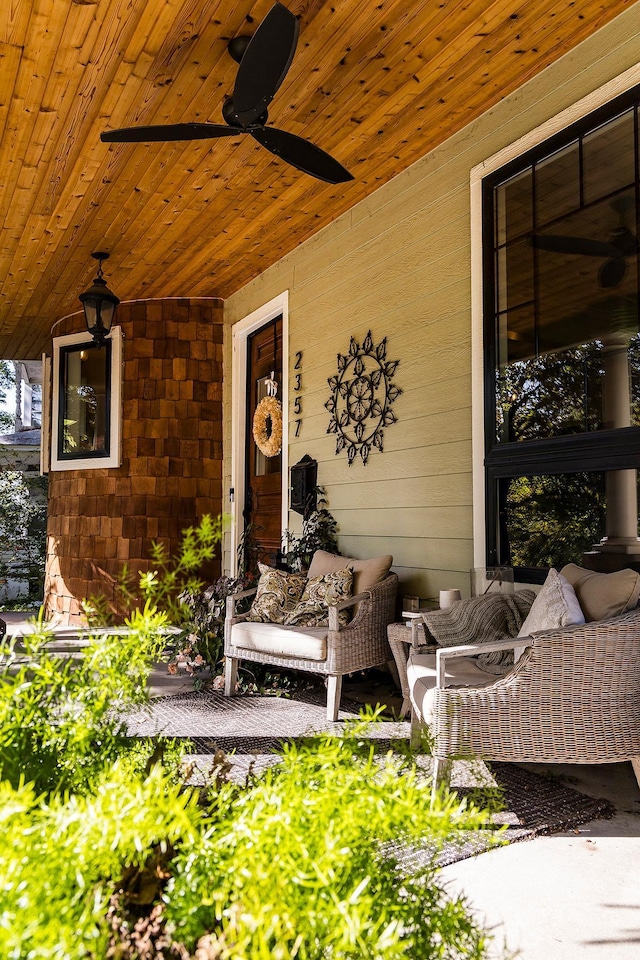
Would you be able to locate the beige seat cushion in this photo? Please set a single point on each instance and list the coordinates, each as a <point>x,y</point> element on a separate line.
<point>366,573</point>
<point>459,672</point>
<point>303,644</point>
<point>603,595</point>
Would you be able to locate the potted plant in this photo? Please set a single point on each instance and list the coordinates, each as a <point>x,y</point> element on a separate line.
<point>319,532</point>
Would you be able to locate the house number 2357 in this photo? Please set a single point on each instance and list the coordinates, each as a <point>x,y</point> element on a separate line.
<point>297,387</point>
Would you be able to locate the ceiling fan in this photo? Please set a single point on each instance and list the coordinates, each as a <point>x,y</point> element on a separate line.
<point>620,244</point>
<point>264,61</point>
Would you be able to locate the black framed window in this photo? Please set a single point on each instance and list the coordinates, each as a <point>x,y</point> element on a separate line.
<point>86,418</point>
<point>562,347</point>
<point>84,401</point>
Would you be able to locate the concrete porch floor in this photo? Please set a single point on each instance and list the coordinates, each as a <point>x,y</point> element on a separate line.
<point>568,896</point>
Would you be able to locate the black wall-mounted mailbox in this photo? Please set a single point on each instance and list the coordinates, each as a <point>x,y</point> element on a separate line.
<point>304,484</point>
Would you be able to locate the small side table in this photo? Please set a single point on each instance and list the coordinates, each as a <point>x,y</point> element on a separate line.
<point>402,638</point>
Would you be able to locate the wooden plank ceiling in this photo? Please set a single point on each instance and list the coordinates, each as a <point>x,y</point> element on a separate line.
<point>376,84</point>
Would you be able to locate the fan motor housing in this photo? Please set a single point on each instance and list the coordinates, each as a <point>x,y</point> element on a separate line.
<point>237,47</point>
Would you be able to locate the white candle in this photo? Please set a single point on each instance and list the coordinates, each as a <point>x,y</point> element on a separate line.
<point>448,598</point>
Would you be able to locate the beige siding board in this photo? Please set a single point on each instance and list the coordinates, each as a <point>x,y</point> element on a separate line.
<point>395,492</point>
<point>433,356</point>
<point>405,435</point>
<point>391,313</point>
<point>398,264</point>
<point>443,368</point>
<point>448,555</point>
<point>411,339</point>
<point>427,584</point>
<point>410,268</point>
<point>439,459</point>
<point>436,392</point>
<point>359,249</point>
<point>420,522</point>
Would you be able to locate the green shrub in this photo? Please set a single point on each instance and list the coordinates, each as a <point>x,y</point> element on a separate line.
<point>99,836</point>
<point>295,867</point>
<point>61,719</point>
<point>61,860</point>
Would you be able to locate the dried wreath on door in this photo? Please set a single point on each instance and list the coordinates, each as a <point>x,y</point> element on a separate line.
<point>267,422</point>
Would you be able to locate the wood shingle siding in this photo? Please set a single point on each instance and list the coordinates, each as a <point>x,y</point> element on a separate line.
<point>171,470</point>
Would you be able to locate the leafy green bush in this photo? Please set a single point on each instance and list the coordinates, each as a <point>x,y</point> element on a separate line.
<point>295,866</point>
<point>23,523</point>
<point>101,841</point>
<point>62,860</point>
<point>61,719</point>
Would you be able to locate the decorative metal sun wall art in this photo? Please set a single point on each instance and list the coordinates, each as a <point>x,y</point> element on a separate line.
<point>361,398</point>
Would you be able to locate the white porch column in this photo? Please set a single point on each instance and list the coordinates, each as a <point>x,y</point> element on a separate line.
<point>621,485</point>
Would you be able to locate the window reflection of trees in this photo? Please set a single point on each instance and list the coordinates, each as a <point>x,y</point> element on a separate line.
<point>559,394</point>
<point>80,433</point>
<point>555,518</point>
<point>552,520</point>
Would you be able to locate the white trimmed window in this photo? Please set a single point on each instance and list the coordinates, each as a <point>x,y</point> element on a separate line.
<point>87,402</point>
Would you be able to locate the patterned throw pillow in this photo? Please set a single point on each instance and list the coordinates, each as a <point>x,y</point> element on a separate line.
<point>278,593</point>
<point>319,594</point>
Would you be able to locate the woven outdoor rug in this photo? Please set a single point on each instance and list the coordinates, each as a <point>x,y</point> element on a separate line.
<point>251,728</point>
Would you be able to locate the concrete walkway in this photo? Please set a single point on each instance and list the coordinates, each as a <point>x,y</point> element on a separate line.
<point>569,896</point>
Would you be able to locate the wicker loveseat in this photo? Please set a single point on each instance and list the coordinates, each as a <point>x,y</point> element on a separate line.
<point>573,696</point>
<point>333,650</point>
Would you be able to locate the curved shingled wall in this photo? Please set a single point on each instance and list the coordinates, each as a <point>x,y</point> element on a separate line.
<point>171,471</point>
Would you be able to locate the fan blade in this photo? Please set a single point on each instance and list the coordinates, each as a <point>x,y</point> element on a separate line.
<point>581,246</point>
<point>612,272</point>
<point>302,154</point>
<point>169,131</point>
<point>264,64</point>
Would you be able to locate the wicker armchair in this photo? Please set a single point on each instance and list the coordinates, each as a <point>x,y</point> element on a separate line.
<point>332,652</point>
<point>572,697</point>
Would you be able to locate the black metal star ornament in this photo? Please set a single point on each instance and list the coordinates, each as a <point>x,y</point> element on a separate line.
<point>361,398</point>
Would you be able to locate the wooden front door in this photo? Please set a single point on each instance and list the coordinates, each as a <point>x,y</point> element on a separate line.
<point>263,484</point>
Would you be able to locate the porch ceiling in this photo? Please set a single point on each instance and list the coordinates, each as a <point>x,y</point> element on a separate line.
<point>377,85</point>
